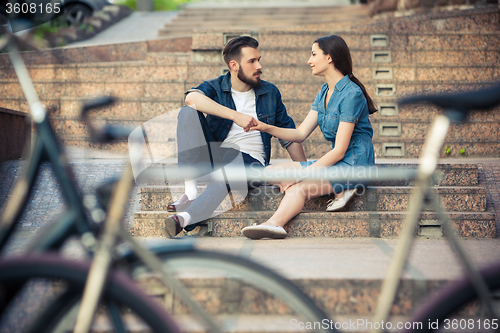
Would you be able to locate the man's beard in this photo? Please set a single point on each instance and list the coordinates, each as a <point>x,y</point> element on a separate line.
<point>248,80</point>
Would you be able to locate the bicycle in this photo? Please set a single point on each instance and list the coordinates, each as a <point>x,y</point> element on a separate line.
<point>17,273</point>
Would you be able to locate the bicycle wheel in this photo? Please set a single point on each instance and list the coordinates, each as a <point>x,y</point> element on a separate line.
<point>457,308</point>
<point>240,294</point>
<point>123,305</point>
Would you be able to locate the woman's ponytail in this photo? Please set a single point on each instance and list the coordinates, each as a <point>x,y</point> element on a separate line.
<point>372,107</point>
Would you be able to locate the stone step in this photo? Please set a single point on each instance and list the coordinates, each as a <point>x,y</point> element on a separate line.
<point>342,276</point>
<point>416,47</point>
<point>390,111</point>
<point>328,224</point>
<point>295,91</point>
<point>268,11</point>
<point>162,127</point>
<point>393,127</point>
<point>400,30</point>
<point>404,147</point>
<point>446,174</point>
<point>292,91</point>
<point>409,40</point>
<point>261,21</point>
<point>385,147</point>
<point>137,110</point>
<point>369,198</point>
<point>249,323</point>
<point>250,302</point>
<point>176,70</point>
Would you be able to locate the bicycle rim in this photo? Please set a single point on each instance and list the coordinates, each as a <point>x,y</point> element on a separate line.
<point>238,293</point>
<point>123,306</point>
<point>457,309</point>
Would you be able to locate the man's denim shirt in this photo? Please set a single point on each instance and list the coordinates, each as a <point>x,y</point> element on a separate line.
<point>270,109</point>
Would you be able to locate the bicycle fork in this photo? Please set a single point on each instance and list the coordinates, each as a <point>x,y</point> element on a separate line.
<point>103,256</point>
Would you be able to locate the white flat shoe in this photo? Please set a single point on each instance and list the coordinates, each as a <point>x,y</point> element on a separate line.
<point>264,231</point>
<point>337,204</point>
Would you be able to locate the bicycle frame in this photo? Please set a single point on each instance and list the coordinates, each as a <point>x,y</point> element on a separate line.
<point>45,149</point>
<point>73,222</point>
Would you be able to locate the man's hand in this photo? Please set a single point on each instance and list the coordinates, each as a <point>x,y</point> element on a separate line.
<point>260,126</point>
<point>245,121</point>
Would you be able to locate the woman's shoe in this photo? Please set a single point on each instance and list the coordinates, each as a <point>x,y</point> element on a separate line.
<point>264,231</point>
<point>180,205</point>
<point>337,204</point>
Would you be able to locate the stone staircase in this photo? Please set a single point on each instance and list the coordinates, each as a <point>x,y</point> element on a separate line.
<point>377,211</point>
<point>193,19</point>
<point>422,54</point>
<point>426,54</point>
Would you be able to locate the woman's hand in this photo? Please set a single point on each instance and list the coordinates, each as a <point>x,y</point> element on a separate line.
<point>261,127</point>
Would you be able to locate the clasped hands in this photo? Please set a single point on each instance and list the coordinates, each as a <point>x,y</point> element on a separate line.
<point>249,123</point>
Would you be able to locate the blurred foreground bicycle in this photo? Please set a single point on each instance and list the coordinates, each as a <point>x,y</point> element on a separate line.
<point>119,296</point>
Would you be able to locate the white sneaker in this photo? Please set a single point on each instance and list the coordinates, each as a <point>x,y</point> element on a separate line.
<point>337,204</point>
<point>264,231</point>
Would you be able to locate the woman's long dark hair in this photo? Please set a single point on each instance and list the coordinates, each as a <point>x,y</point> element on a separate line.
<point>337,49</point>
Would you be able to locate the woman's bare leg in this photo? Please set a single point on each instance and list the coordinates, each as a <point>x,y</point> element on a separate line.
<point>295,198</point>
<point>282,166</point>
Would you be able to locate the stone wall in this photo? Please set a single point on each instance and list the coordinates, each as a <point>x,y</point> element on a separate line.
<point>436,52</point>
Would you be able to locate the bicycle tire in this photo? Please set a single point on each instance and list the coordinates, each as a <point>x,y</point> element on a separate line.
<point>119,289</point>
<point>251,275</point>
<point>453,298</point>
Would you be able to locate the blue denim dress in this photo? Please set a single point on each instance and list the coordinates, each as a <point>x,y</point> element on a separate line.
<point>348,104</point>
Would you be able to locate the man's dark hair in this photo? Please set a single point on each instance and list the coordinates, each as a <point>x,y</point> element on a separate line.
<point>232,50</point>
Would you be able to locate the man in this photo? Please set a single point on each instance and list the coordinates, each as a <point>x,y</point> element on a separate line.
<point>232,102</point>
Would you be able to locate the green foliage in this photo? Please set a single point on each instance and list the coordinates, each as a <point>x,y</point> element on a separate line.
<point>463,152</point>
<point>88,27</point>
<point>158,5</point>
<point>40,32</point>
<point>447,150</point>
<point>51,27</point>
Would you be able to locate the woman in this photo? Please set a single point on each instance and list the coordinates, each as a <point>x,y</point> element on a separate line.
<point>341,111</point>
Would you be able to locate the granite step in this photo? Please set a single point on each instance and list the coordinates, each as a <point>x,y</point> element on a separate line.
<point>264,323</point>
<point>399,29</point>
<point>409,40</point>
<point>393,127</point>
<point>369,198</point>
<point>267,11</point>
<point>327,224</point>
<point>265,20</point>
<point>386,147</point>
<point>446,174</point>
<point>343,276</point>
<point>214,292</point>
<point>405,147</point>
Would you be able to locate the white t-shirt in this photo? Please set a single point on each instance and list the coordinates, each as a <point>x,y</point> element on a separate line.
<point>248,142</point>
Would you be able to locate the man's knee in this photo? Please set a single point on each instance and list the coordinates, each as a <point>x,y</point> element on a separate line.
<point>187,114</point>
